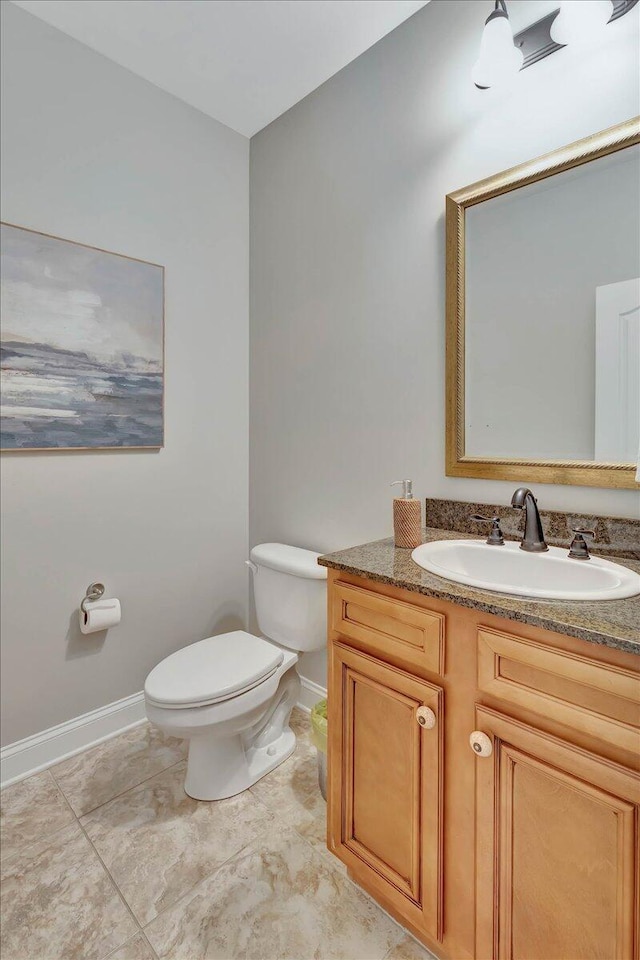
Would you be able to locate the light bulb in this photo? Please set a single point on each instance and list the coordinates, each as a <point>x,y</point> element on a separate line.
<point>580,21</point>
<point>499,58</point>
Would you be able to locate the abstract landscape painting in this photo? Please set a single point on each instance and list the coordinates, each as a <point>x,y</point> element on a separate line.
<point>82,346</point>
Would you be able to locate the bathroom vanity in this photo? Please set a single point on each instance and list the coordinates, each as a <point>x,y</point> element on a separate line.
<point>484,760</point>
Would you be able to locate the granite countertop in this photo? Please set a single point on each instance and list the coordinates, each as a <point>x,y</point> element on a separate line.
<point>612,623</point>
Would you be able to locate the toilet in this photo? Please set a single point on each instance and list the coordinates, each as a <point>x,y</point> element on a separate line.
<point>231,695</point>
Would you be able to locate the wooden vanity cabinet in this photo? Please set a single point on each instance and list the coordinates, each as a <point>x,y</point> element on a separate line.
<point>556,848</point>
<point>387,818</point>
<point>528,850</point>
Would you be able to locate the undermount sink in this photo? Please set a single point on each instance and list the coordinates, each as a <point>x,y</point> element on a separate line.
<point>508,569</point>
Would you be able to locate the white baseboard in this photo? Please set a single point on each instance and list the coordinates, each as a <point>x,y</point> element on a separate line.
<point>310,693</point>
<point>42,750</point>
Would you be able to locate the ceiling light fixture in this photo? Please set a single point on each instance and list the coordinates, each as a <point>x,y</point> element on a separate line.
<point>580,21</point>
<point>576,21</point>
<point>499,59</point>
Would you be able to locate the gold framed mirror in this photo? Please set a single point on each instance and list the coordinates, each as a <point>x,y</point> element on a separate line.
<point>543,317</point>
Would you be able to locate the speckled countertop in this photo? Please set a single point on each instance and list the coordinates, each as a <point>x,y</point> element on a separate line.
<point>612,623</point>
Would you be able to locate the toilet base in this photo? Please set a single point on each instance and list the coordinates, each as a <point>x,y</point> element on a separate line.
<point>221,768</point>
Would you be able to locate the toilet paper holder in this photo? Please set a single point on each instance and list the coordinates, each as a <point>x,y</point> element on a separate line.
<point>94,592</point>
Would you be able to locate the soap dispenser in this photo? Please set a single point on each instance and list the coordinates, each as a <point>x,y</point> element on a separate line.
<point>407,517</point>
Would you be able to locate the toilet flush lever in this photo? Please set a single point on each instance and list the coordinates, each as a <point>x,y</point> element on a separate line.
<point>252,566</point>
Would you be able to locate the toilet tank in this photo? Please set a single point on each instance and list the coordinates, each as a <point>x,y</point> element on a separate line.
<point>290,592</point>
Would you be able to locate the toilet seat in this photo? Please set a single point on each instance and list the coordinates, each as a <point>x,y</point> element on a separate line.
<point>212,670</point>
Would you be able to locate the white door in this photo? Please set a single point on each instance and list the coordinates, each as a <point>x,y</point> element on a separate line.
<point>617,420</point>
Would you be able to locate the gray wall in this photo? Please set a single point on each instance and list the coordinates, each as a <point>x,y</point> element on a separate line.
<point>347,267</point>
<point>93,153</point>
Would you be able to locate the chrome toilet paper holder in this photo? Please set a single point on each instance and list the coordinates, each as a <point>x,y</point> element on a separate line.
<point>94,592</point>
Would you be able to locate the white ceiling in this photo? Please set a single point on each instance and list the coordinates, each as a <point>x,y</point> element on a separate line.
<point>243,62</point>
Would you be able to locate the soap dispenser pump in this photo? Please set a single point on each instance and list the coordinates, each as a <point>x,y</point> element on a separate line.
<point>407,517</point>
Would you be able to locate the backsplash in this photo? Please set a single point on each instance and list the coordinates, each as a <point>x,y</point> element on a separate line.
<point>615,536</point>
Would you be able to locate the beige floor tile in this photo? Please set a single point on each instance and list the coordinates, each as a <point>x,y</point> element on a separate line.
<point>136,949</point>
<point>59,902</point>
<point>315,832</point>
<point>31,851</point>
<point>292,790</point>
<point>305,778</point>
<point>300,723</point>
<point>277,899</point>
<point>409,949</point>
<point>157,842</point>
<point>30,810</point>
<point>96,776</point>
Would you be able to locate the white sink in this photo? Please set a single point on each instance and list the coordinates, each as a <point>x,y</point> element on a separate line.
<point>508,569</point>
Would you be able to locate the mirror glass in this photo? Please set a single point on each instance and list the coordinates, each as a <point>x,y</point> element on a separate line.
<point>552,317</point>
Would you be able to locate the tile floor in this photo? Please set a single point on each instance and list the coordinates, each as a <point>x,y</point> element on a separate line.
<point>104,856</point>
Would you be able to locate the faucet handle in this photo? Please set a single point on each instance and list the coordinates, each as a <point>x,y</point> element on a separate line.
<point>579,549</point>
<point>495,538</point>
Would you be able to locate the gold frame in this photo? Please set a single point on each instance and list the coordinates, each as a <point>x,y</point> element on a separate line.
<point>12,451</point>
<point>582,472</point>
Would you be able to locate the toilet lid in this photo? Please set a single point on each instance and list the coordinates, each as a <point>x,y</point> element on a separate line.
<point>214,669</point>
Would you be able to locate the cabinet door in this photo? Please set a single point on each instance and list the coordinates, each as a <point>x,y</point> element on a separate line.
<point>385,783</point>
<point>556,848</point>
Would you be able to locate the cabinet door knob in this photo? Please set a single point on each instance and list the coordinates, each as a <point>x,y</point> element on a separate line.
<point>426,717</point>
<point>481,744</point>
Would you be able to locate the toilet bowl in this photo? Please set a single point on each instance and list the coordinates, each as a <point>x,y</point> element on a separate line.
<point>231,695</point>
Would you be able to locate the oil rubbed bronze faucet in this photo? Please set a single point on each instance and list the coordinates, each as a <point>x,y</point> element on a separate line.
<point>533,539</point>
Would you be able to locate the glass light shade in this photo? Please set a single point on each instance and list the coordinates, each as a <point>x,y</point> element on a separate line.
<point>580,21</point>
<point>499,58</point>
